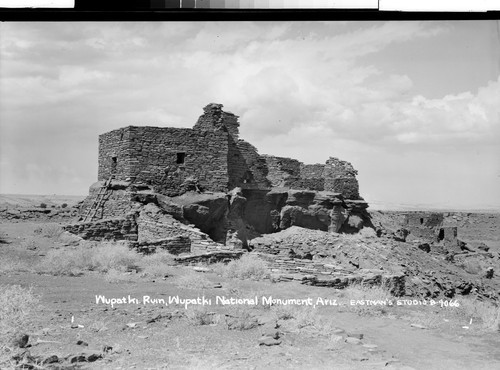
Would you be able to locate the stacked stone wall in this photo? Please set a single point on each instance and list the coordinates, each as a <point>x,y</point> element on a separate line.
<point>116,203</point>
<point>166,157</point>
<point>314,272</point>
<point>282,171</point>
<point>256,177</point>
<point>238,169</point>
<point>311,177</point>
<point>114,144</point>
<point>340,177</point>
<point>175,245</point>
<point>124,228</point>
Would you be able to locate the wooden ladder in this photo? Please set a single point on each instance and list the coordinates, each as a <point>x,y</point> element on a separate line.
<point>98,201</point>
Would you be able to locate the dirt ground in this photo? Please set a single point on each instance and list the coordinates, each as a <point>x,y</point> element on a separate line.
<point>140,335</point>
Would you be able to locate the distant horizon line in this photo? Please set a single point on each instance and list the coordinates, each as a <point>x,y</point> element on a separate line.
<point>375,206</point>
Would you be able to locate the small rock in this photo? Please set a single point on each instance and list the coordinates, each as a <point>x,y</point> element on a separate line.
<point>201,269</point>
<point>94,357</point>
<point>82,343</point>
<point>355,335</point>
<point>370,346</point>
<point>418,326</point>
<point>20,340</point>
<point>483,247</point>
<point>107,348</point>
<point>217,286</point>
<point>489,273</point>
<point>424,247</point>
<point>338,331</point>
<point>50,360</point>
<point>352,340</point>
<point>267,341</point>
<point>142,337</point>
<point>275,334</point>
<point>77,358</point>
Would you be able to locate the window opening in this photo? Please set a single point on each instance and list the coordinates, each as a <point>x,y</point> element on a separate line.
<point>181,157</point>
<point>114,162</point>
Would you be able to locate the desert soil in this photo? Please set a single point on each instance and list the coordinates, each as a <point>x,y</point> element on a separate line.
<point>155,336</point>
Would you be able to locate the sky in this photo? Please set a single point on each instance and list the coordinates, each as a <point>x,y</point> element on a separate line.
<point>414,106</point>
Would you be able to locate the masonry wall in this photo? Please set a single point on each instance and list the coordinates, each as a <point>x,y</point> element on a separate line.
<point>340,177</point>
<point>423,226</point>
<point>175,245</point>
<point>156,161</point>
<point>210,154</point>
<point>115,204</point>
<point>290,173</point>
<point>123,228</point>
<point>282,171</point>
<point>114,155</point>
<point>256,175</point>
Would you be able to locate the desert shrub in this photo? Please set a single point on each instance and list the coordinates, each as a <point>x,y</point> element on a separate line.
<point>16,306</point>
<point>43,205</point>
<point>102,258</point>
<point>116,256</point>
<point>193,280</point>
<point>202,316</point>
<point>486,314</point>
<point>52,231</point>
<point>298,317</point>
<point>247,267</point>
<point>116,276</point>
<point>241,318</point>
<point>13,263</point>
<point>66,262</point>
<point>283,312</point>
<point>64,205</point>
<point>29,243</point>
<point>157,264</point>
<point>367,293</point>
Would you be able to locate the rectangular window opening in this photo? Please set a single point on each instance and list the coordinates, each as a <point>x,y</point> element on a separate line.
<point>181,157</point>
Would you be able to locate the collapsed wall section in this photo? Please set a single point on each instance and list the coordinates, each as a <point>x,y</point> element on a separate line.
<point>340,177</point>
<point>282,172</point>
<point>256,171</point>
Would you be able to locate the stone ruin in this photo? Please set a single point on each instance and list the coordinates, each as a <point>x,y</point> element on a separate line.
<point>428,228</point>
<point>204,188</point>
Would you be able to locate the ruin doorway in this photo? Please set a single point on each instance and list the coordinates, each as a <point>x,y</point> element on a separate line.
<point>441,235</point>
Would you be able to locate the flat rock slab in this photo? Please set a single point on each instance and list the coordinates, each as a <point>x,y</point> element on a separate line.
<point>268,341</point>
<point>351,340</point>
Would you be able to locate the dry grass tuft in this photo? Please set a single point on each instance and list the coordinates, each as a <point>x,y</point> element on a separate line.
<point>16,307</point>
<point>375,294</point>
<point>75,261</point>
<point>247,267</point>
<point>157,264</point>
<point>193,280</point>
<point>116,276</point>
<point>202,316</point>
<point>52,231</point>
<point>484,315</point>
